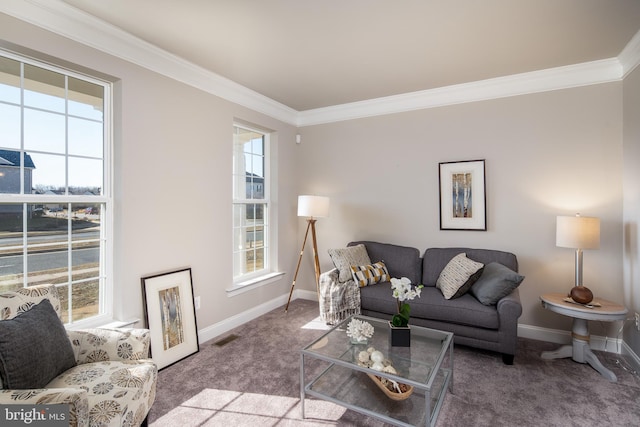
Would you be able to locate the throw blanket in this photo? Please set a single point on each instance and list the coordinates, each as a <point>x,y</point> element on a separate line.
<point>338,300</point>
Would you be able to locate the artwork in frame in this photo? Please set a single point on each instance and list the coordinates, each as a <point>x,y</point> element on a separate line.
<point>170,314</point>
<point>462,196</point>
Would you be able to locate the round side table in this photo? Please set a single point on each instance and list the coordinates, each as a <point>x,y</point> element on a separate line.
<point>579,349</point>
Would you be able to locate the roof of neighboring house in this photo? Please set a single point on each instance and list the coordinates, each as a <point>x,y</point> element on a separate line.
<point>12,158</point>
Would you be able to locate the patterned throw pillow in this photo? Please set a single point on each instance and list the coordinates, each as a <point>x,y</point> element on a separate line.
<point>370,274</point>
<point>458,276</point>
<point>344,258</point>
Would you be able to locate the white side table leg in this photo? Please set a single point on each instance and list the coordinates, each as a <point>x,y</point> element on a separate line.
<point>592,360</point>
<point>562,352</point>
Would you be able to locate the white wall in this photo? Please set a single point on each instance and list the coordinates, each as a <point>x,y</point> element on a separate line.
<point>547,154</point>
<point>173,151</point>
<point>632,203</point>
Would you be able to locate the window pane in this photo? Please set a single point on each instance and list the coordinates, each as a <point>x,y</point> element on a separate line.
<point>11,260</point>
<point>85,300</point>
<point>85,99</point>
<point>47,247</point>
<point>9,80</point>
<point>43,89</point>
<point>85,137</point>
<point>85,176</point>
<point>48,174</point>
<point>10,161</point>
<point>9,126</point>
<point>44,131</point>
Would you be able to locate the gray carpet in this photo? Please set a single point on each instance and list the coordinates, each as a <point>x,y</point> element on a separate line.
<point>253,380</point>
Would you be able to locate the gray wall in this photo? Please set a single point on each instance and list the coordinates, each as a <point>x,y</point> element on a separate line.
<point>547,154</point>
<point>632,203</point>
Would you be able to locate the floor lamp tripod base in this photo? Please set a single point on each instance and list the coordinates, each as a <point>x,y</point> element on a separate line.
<point>311,225</point>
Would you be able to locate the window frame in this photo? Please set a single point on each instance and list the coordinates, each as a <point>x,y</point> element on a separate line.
<point>104,200</point>
<point>246,281</point>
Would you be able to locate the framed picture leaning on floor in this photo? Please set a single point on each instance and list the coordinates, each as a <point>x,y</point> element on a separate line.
<point>170,316</point>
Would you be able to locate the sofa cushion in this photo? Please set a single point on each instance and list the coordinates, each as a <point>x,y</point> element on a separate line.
<point>344,258</point>
<point>365,275</point>
<point>458,276</point>
<point>23,342</point>
<point>401,261</point>
<point>496,282</point>
<point>432,305</point>
<point>435,259</point>
<point>464,310</point>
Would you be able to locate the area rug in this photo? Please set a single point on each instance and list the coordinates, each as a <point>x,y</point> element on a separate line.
<point>251,377</point>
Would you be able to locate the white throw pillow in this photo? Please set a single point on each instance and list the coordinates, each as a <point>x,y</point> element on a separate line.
<point>344,258</point>
<point>458,276</point>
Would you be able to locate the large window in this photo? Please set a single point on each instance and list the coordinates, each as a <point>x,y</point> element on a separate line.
<point>250,204</point>
<point>54,186</point>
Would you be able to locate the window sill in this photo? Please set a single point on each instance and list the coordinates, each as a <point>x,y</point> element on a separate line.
<point>242,287</point>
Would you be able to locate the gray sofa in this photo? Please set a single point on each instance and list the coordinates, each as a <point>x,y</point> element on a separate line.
<point>489,327</point>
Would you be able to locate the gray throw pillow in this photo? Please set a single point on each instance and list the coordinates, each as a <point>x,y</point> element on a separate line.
<point>344,258</point>
<point>34,348</point>
<point>495,283</point>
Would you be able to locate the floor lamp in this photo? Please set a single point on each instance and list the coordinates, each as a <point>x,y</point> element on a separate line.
<point>311,207</point>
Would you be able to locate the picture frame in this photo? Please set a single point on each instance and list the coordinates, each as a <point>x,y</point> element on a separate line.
<point>463,203</point>
<point>170,316</point>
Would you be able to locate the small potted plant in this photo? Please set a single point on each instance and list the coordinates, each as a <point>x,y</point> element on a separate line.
<point>400,335</point>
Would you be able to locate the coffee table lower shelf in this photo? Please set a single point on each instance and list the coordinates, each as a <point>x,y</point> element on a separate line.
<point>354,390</point>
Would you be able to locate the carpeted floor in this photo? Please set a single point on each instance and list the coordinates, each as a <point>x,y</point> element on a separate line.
<point>253,380</point>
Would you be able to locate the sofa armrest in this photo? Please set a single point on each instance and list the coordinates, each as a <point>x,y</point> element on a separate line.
<point>338,300</point>
<point>76,398</point>
<point>510,305</point>
<point>101,344</point>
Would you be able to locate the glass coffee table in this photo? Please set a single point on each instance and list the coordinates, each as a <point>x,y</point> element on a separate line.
<point>330,370</point>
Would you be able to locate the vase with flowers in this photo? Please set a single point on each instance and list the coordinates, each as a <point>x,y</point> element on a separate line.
<point>400,335</point>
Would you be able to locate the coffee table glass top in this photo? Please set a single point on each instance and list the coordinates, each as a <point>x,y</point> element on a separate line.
<point>415,363</point>
<point>344,381</point>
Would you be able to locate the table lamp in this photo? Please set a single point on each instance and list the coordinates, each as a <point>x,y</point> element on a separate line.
<point>311,207</point>
<point>578,232</point>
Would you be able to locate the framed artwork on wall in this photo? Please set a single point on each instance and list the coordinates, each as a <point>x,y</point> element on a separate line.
<point>463,196</point>
<point>170,314</point>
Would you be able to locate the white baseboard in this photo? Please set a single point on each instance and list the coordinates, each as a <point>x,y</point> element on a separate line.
<point>215,330</point>
<point>632,357</point>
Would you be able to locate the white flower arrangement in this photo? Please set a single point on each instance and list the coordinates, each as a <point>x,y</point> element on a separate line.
<point>359,330</point>
<point>403,291</point>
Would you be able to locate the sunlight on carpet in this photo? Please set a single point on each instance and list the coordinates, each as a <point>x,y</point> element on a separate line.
<point>224,407</point>
<point>317,324</point>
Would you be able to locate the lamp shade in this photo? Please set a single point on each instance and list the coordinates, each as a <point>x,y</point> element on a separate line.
<point>578,232</point>
<point>313,206</point>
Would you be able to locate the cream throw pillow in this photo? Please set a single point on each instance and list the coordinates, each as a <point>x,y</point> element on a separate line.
<point>344,258</point>
<point>458,276</point>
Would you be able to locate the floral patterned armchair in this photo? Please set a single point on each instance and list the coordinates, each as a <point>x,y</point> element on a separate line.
<point>112,382</point>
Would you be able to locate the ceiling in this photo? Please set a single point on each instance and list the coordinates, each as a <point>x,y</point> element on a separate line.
<point>308,54</point>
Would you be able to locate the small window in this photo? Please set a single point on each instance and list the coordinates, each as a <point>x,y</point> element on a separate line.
<point>251,225</point>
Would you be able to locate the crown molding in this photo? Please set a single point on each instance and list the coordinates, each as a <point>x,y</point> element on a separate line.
<point>589,73</point>
<point>65,20</point>
<point>630,55</point>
